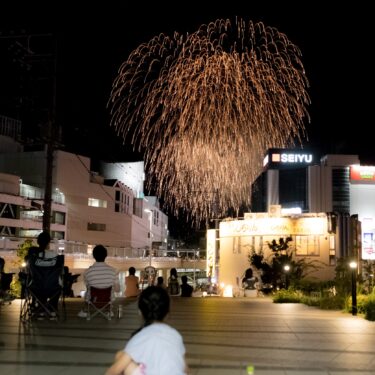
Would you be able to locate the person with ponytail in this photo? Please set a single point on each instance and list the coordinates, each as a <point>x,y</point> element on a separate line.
<point>156,347</point>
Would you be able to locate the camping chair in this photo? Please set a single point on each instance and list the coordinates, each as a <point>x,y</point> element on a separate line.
<point>43,289</point>
<point>5,281</point>
<point>100,302</point>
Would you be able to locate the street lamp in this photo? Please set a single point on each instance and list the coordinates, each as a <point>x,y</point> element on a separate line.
<point>353,266</point>
<point>286,269</point>
<point>149,234</point>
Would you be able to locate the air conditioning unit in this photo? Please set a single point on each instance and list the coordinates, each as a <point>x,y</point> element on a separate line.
<point>274,210</point>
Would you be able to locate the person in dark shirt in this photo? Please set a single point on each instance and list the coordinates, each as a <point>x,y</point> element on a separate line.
<point>186,289</point>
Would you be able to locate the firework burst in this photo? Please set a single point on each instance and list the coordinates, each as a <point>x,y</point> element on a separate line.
<point>206,106</point>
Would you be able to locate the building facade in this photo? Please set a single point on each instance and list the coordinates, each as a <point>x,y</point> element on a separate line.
<point>107,207</point>
<point>294,185</point>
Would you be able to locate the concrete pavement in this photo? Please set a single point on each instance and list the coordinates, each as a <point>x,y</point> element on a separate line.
<point>222,336</point>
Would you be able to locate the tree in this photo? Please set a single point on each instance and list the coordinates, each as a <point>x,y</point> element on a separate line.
<point>273,270</point>
<point>22,251</point>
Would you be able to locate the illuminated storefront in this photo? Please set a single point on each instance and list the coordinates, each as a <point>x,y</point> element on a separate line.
<point>311,240</point>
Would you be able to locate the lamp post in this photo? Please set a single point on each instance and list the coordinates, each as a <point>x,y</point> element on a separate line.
<point>353,267</point>
<point>286,269</point>
<point>149,234</point>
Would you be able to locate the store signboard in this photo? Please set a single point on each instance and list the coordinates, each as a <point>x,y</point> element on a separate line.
<point>274,226</point>
<point>287,158</point>
<point>363,174</point>
<point>368,238</point>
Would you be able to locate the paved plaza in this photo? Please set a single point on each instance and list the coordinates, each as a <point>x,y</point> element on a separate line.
<point>222,336</point>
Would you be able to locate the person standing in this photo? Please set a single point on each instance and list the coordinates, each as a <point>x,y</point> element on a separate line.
<point>173,285</point>
<point>99,275</point>
<point>131,284</point>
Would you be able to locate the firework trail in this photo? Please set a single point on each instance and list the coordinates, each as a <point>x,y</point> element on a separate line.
<point>206,106</point>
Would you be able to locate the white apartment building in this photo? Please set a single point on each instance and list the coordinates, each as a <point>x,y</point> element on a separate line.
<point>107,206</point>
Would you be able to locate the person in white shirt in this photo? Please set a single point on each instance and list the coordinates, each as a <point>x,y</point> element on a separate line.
<point>155,348</point>
<point>99,275</point>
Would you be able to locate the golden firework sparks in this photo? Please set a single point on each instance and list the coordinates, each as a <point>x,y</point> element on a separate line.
<point>206,106</point>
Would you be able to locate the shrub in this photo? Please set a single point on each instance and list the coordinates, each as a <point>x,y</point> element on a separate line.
<point>310,301</point>
<point>370,308</point>
<point>287,296</point>
<point>336,302</point>
<point>22,251</point>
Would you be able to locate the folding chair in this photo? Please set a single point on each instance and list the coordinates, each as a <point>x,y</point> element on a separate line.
<point>100,302</point>
<point>43,289</point>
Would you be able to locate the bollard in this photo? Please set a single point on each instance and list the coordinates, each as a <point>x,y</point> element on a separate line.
<point>119,312</point>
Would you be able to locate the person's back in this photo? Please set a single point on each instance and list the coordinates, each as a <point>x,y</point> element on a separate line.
<point>45,272</point>
<point>173,284</point>
<point>131,284</point>
<point>186,289</point>
<point>100,274</point>
<point>249,280</point>
<point>155,348</point>
<point>42,250</point>
<point>160,282</point>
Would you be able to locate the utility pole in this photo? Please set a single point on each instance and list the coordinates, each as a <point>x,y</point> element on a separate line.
<point>51,144</point>
<point>28,57</point>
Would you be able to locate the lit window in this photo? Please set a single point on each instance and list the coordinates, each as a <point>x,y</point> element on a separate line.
<point>307,245</point>
<point>93,202</point>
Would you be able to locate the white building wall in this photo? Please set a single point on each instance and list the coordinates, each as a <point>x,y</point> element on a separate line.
<point>131,174</point>
<point>272,187</point>
<point>72,177</point>
<point>362,200</point>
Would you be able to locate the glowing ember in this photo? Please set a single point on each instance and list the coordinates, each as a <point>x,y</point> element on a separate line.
<point>206,106</point>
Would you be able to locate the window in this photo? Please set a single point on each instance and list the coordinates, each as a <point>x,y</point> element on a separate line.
<point>122,202</point>
<point>58,217</point>
<point>332,243</point>
<point>96,227</point>
<point>307,245</point>
<point>93,202</point>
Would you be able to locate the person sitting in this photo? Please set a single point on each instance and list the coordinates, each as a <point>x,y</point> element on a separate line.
<point>248,282</point>
<point>173,285</point>
<point>160,282</point>
<point>156,347</point>
<point>99,275</point>
<point>69,280</point>
<point>186,289</point>
<point>43,257</point>
<point>131,284</point>
<point>2,264</point>
<point>5,281</point>
<point>42,250</point>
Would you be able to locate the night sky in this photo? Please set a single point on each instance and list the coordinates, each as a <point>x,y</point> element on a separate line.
<point>93,40</point>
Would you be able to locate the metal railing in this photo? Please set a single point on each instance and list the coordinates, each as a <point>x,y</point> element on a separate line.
<point>11,244</point>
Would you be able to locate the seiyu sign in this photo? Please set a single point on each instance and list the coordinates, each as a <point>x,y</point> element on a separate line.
<point>292,158</point>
